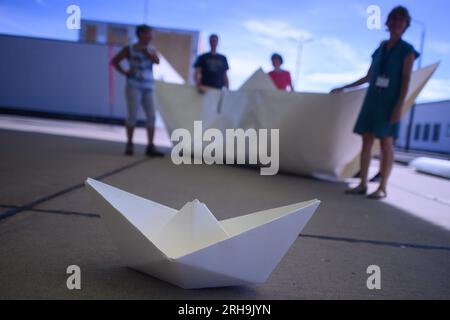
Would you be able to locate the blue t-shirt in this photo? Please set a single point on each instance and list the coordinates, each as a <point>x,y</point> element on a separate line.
<point>213,68</point>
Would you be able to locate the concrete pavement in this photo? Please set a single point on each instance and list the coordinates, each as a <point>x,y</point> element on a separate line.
<point>329,260</point>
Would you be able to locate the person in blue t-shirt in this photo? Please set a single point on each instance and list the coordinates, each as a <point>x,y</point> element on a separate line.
<point>211,68</point>
<point>388,78</point>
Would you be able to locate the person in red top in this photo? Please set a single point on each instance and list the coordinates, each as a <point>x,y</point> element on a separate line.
<point>281,78</point>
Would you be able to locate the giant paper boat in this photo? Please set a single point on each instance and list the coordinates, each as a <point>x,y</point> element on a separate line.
<point>315,130</point>
<point>190,247</point>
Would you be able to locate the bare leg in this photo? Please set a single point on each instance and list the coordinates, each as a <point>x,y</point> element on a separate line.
<point>150,135</point>
<point>148,102</point>
<point>151,150</point>
<point>130,133</point>
<point>129,149</point>
<point>387,161</point>
<point>366,156</point>
<point>377,177</point>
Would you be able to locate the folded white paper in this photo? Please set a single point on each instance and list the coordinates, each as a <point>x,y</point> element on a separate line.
<point>316,130</point>
<point>190,247</point>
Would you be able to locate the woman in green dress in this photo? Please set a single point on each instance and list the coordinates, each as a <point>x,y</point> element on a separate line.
<point>388,78</point>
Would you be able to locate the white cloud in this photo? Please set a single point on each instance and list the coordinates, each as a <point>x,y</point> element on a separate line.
<point>333,63</point>
<point>266,33</point>
<point>240,69</point>
<point>267,42</point>
<point>40,2</point>
<point>436,89</point>
<point>333,78</point>
<point>325,81</point>
<point>326,62</point>
<point>340,48</point>
<point>276,29</point>
<point>343,54</point>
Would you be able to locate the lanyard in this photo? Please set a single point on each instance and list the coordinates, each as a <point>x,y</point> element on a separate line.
<point>385,56</point>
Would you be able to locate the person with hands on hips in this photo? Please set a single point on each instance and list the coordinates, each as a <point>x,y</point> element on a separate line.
<point>140,85</point>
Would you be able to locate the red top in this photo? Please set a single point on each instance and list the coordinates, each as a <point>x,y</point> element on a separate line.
<point>282,79</point>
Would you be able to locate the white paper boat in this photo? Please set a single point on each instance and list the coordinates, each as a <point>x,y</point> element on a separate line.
<point>189,247</point>
<point>316,130</point>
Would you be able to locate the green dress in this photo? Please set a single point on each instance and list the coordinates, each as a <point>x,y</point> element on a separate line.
<point>379,103</point>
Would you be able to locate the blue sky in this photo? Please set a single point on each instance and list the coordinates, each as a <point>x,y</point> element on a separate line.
<point>251,30</point>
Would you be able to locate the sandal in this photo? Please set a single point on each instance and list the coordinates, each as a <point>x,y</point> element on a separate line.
<point>377,195</point>
<point>357,191</point>
<point>129,149</point>
<point>151,151</point>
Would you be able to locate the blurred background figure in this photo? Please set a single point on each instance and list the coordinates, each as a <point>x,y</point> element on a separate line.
<point>388,78</point>
<point>280,77</point>
<point>140,85</point>
<point>211,68</point>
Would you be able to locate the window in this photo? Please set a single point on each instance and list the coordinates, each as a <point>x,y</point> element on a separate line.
<point>91,33</point>
<point>426,132</point>
<point>417,132</point>
<point>117,35</point>
<point>436,132</point>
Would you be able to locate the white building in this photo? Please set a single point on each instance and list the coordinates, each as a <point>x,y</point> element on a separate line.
<point>430,129</point>
<point>75,80</point>
<point>178,47</point>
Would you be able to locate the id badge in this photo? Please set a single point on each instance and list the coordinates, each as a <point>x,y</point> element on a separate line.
<point>382,82</point>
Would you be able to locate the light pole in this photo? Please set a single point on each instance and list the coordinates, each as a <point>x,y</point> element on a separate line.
<point>413,108</point>
<point>301,42</point>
